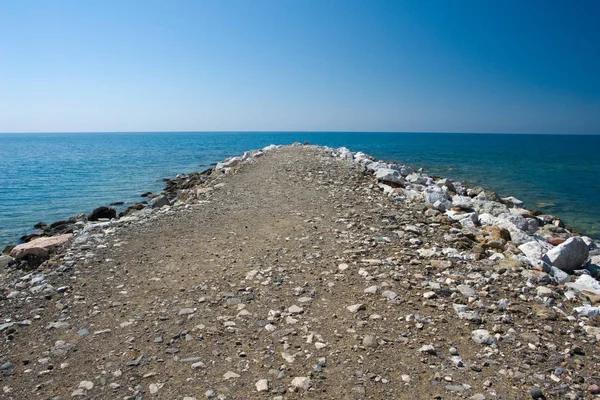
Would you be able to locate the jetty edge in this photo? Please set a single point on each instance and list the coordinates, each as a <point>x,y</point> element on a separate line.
<point>358,278</point>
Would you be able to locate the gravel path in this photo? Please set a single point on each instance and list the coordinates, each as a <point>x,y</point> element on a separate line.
<point>292,277</point>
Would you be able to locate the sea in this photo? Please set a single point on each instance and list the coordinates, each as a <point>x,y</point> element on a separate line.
<point>52,176</point>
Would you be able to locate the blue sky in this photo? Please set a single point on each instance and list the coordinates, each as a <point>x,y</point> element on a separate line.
<point>441,66</point>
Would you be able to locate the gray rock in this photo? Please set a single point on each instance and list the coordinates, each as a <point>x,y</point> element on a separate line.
<point>376,165</point>
<point>489,207</point>
<point>559,275</point>
<point>512,202</point>
<point>466,290</point>
<point>416,179</point>
<point>390,176</point>
<point>568,256</point>
<point>437,197</point>
<point>388,294</point>
<point>482,336</point>
<point>464,312</point>
<point>301,382</point>
<point>5,261</point>
<point>587,284</point>
<point>355,308</point>
<point>159,202</point>
<point>58,325</point>
<point>427,349</point>
<point>6,366</point>
<point>534,250</point>
<point>262,385</point>
<point>536,393</point>
<point>462,202</point>
<point>370,341</point>
<point>507,219</point>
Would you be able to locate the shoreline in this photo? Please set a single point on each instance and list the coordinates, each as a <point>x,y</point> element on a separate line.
<point>315,262</point>
<point>172,185</point>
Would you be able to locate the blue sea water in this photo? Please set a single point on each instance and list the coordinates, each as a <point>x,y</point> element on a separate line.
<point>47,177</point>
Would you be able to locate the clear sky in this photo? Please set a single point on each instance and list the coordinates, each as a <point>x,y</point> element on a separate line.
<point>443,66</point>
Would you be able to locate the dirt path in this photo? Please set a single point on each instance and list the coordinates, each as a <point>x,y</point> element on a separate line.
<point>245,295</point>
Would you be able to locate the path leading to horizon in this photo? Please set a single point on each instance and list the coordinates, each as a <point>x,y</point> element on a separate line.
<point>293,277</point>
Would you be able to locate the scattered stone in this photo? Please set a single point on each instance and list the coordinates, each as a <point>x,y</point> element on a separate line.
<point>230,375</point>
<point>262,385</point>
<point>370,341</point>
<point>427,349</point>
<point>536,393</point>
<point>87,385</point>
<point>302,382</point>
<point>355,308</point>
<point>482,336</point>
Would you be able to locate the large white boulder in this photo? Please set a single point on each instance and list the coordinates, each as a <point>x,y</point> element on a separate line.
<point>506,219</point>
<point>535,250</point>
<point>569,255</point>
<point>462,202</point>
<point>437,197</point>
<point>389,175</point>
<point>416,179</point>
<point>489,207</point>
<point>586,285</point>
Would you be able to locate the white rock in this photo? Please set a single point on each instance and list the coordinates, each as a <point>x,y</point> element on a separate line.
<point>482,336</point>
<point>534,250</point>
<point>87,385</point>
<point>301,382</point>
<point>463,202</point>
<point>390,295</point>
<point>466,290</point>
<point>230,375</point>
<point>585,284</point>
<point>153,388</point>
<point>355,307</point>
<point>371,289</point>
<point>389,175</point>
<point>489,207</point>
<point>427,349</point>
<point>416,179</point>
<point>437,197</point>
<point>513,201</point>
<point>295,309</point>
<point>569,255</point>
<point>262,385</point>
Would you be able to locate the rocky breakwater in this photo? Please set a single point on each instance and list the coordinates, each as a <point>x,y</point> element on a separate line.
<point>309,272</point>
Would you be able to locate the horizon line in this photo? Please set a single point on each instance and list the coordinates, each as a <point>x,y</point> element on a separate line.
<point>294,131</point>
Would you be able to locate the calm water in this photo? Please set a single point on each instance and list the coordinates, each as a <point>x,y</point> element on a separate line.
<point>47,177</point>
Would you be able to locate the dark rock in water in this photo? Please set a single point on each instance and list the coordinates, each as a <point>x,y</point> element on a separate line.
<point>59,223</point>
<point>102,212</point>
<point>147,194</point>
<point>117,203</point>
<point>8,249</point>
<point>159,201</point>
<point>30,236</point>
<point>40,225</point>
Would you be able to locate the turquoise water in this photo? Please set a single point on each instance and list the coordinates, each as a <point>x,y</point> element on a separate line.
<point>47,177</point>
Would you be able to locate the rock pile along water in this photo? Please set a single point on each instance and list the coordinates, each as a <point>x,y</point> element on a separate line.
<point>306,272</point>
